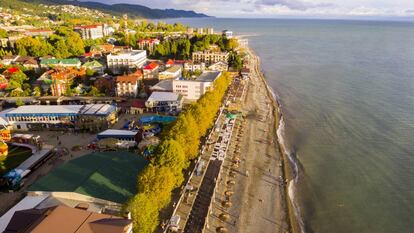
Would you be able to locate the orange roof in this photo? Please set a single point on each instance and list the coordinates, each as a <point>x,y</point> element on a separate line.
<point>131,78</point>
<point>151,66</point>
<point>170,62</point>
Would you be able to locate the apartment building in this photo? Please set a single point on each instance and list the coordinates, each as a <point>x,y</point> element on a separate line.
<point>127,85</point>
<point>126,59</point>
<point>193,89</point>
<point>210,57</point>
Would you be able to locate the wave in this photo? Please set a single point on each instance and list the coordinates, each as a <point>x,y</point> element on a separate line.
<point>291,155</point>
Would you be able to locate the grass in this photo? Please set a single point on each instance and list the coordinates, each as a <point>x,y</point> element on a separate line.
<point>16,156</point>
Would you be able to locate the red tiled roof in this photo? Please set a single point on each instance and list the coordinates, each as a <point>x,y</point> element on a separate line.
<point>170,62</point>
<point>13,70</point>
<point>138,104</point>
<point>151,66</point>
<point>131,78</point>
<point>88,54</point>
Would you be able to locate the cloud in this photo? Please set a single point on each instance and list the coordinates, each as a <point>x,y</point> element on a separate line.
<point>291,4</point>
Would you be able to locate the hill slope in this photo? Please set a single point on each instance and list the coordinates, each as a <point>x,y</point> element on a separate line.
<point>123,8</point>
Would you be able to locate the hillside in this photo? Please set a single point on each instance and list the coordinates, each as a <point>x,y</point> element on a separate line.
<point>132,10</point>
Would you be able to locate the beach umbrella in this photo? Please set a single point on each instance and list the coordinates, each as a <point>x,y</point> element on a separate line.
<point>226,204</point>
<point>221,230</point>
<point>228,193</point>
<point>231,182</point>
<point>224,217</point>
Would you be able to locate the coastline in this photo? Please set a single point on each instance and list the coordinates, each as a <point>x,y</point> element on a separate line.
<point>287,170</point>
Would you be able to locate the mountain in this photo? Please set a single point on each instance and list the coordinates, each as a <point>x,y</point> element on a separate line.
<point>123,8</point>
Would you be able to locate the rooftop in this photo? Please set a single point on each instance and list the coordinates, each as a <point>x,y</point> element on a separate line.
<point>173,69</point>
<point>110,176</point>
<point>88,109</point>
<point>208,76</point>
<point>65,220</point>
<point>163,96</point>
<point>164,85</point>
<point>117,132</point>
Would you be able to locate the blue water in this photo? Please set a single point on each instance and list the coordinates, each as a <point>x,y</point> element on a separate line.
<point>347,91</point>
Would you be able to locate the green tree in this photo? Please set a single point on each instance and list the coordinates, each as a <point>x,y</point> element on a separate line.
<point>157,181</point>
<point>3,33</point>
<point>19,102</point>
<point>37,91</point>
<point>144,213</point>
<point>170,154</point>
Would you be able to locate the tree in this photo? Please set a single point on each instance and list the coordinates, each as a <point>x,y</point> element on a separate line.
<point>19,102</point>
<point>157,181</point>
<point>170,154</point>
<point>3,33</point>
<point>185,131</point>
<point>144,213</point>
<point>37,91</point>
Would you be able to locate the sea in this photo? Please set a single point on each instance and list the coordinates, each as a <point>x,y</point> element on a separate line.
<point>346,89</point>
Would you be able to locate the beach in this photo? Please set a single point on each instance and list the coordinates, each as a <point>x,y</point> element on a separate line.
<point>260,194</point>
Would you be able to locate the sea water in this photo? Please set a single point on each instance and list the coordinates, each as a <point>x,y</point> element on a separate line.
<point>347,94</point>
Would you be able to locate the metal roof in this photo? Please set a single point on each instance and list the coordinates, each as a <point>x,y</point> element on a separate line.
<point>163,96</point>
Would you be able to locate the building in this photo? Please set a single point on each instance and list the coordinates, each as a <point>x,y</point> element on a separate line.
<point>27,62</point>
<point>53,62</point>
<point>95,66</point>
<point>92,32</point>
<point>127,85</point>
<point>163,86</point>
<point>207,31</point>
<point>105,84</point>
<point>151,70</point>
<point>219,66</point>
<point>127,59</point>
<point>210,57</point>
<point>40,117</point>
<point>38,32</point>
<point>171,73</point>
<point>165,102</point>
<point>66,219</point>
<point>148,44</point>
<point>193,89</point>
<point>120,135</point>
<point>191,66</point>
<point>102,49</point>
<point>9,59</point>
<point>59,80</point>
<point>228,34</point>
<point>245,73</point>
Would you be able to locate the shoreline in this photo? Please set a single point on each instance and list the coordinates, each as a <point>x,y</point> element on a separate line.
<point>287,170</point>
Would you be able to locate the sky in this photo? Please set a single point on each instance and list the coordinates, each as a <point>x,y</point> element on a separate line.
<point>277,8</point>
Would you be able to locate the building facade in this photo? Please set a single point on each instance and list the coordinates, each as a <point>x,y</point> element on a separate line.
<point>127,59</point>
<point>127,85</point>
<point>210,57</point>
<point>40,117</point>
<point>171,73</point>
<point>192,90</point>
<point>165,102</point>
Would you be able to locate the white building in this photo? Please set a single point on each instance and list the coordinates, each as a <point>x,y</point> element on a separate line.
<point>228,34</point>
<point>126,59</point>
<point>127,85</point>
<point>164,102</point>
<point>219,66</point>
<point>29,117</point>
<point>191,66</point>
<point>92,32</point>
<point>193,89</point>
<point>171,73</point>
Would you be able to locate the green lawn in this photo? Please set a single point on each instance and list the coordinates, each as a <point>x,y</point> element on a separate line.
<point>17,155</point>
